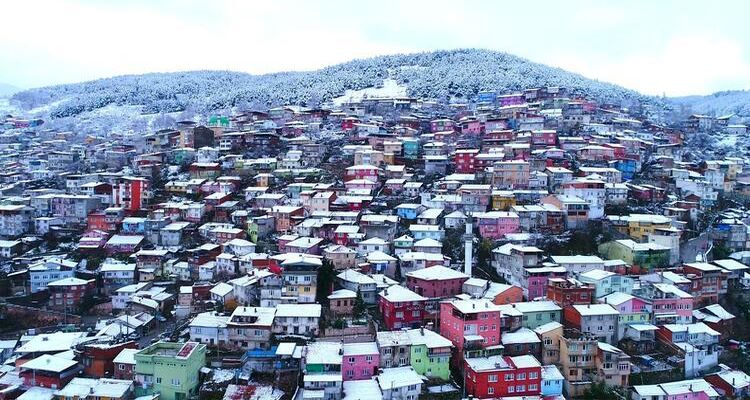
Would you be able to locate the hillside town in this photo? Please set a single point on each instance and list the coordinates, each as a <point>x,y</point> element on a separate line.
<point>525,245</point>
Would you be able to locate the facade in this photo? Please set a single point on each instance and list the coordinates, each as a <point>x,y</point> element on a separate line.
<point>499,376</point>
<point>170,369</point>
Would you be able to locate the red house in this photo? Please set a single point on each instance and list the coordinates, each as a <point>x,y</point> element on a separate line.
<point>567,292</point>
<point>347,123</point>
<point>544,138</point>
<point>501,376</point>
<point>98,359</point>
<point>66,294</point>
<point>436,282</point>
<point>465,160</point>
<point>49,371</point>
<point>401,308</point>
<point>709,282</point>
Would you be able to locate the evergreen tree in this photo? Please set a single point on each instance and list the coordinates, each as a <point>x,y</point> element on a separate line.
<point>360,308</point>
<point>326,275</point>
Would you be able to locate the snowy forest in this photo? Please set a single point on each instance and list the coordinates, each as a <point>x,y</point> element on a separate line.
<point>441,75</point>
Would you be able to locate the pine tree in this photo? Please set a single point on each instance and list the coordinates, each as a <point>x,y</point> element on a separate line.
<point>360,308</point>
<point>324,288</point>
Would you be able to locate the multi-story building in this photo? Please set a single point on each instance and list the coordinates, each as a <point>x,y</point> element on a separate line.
<point>42,273</point>
<point>693,389</point>
<point>169,369</point>
<point>360,361</point>
<point>67,294</point>
<point>599,320</point>
<point>401,308</point>
<point>669,303</point>
<point>578,352</point>
<point>130,193</point>
<point>250,328</point>
<point>502,376</point>
<point>606,282</point>
<point>471,324</point>
<point>15,220</point>
<point>590,190</point>
<point>436,281</point>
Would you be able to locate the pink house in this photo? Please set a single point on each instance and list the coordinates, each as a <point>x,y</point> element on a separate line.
<point>693,389</point>
<point>471,324</point>
<point>471,127</point>
<point>668,300</point>
<point>366,184</point>
<point>547,137</point>
<point>360,361</point>
<point>537,280</point>
<point>369,172</point>
<point>435,282</point>
<point>496,224</point>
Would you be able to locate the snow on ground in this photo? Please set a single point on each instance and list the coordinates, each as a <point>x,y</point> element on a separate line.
<point>390,88</point>
<point>223,375</point>
<point>6,107</point>
<point>728,141</point>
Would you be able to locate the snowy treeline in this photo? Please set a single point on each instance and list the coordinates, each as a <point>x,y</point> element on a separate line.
<point>718,104</point>
<point>437,75</point>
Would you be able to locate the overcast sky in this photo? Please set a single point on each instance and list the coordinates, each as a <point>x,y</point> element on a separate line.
<point>673,47</point>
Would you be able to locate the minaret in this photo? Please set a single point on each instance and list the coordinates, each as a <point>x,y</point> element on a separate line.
<point>468,245</point>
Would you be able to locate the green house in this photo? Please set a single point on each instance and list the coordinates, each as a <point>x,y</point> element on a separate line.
<point>170,369</point>
<point>643,257</point>
<point>430,353</point>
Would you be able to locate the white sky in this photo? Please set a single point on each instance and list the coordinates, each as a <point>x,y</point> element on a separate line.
<point>673,47</point>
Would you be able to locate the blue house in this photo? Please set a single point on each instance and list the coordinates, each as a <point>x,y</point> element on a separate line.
<point>420,232</point>
<point>411,148</point>
<point>552,381</point>
<point>627,167</point>
<point>409,211</point>
<point>133,226</point>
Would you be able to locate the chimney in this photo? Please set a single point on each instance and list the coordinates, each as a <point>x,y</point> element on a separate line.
<point>421,331</point>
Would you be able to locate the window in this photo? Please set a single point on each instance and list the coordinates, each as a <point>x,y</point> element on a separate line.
<point>533,375</point>
<point>175,381</point>
<point>158,379</point>
<point>511,389</point>
<point>521,388</point>
<point>492,378</point>
<point>351,360</point>
<point>350,373</point>
<point>508,377</point>
<point>490,390</point>
<point>121,367</point>
<point>521,376</point>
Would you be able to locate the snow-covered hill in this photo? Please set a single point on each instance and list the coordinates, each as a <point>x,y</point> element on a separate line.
<point>718,104</point>
<point>438,75</point>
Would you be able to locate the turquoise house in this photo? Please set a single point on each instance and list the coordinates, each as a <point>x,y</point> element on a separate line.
<point>411,148</point>
<point>538,313</point>
<point>552,381</point>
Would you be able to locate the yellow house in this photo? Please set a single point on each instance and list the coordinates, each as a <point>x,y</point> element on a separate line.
<point>503,200</point>
<point>639,226</point>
